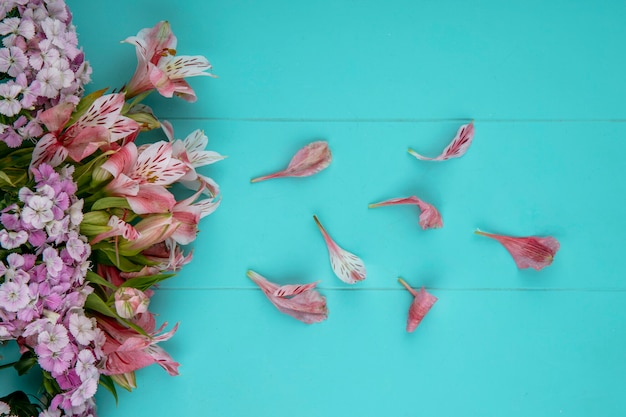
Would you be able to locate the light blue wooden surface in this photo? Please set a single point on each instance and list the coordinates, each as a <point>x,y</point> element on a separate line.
<point>544,82</point>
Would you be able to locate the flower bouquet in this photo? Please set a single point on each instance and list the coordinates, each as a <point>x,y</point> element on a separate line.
<point>89,223</point>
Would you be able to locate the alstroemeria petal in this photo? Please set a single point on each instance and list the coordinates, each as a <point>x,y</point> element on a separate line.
<point>430,218</point>
<point>301,302</point>
<point>422,303</point>
<point>456,148</point>
<point>309,160</point>
<point>528,252</point>
<point>347,266</point>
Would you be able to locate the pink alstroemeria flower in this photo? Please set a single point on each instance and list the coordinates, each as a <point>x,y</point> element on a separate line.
<point>301,302</point>
<point>159,68</point>
<point>528,252</point>
<point>141,177</point>
<point>101,125</point>
<point>347,266</point>
<point>456,148</point>
<point>127,350</point>
<point>422,303</point>
<point>429,218</point>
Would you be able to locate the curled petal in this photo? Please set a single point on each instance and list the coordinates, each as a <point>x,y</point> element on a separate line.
<point>456,148</point>
<point>528,252</point>
<point>309,160</point>
<point>302,302</point>
<point>347,266</point>
<point>429,218</point>
<point>422,303</point>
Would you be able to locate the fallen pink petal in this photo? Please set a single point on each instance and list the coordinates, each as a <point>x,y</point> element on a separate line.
<point>422,303</point>
<point>430,218</point>
<point>309,160</point>
<point>528,252</point>
<point>456,148</point>
<point>347,266</point>
<point>302,302</point>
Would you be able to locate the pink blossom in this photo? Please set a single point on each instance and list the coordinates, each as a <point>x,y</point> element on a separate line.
<point>429,218</point>
<point>130,301</point>
<point>82,328</point>
<point>54,362</point>
<point>128,350</point>
<point>309,160</point>
<point>456,148</point>
<point>422,303</point>
<point>302,302</point>
<point>54,337</point>
<point>159,68</point>
<point>528,252</point>
<point>12,240</point>
<point>13,296</point>
<point>347,266</point>
<point>12,61</point>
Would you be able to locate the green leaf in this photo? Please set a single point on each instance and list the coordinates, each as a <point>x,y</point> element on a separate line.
<point>96,303</point>
<point>26,362</point>
<point>108,256</point>
<point>92,229</point>
<point>4,177</point>
<point>143,283</point>
<point>109,202</point>
<point>97,279</point>
<point>107,382</point>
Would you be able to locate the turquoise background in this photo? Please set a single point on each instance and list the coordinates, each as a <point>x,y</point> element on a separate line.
<point>544,82</point>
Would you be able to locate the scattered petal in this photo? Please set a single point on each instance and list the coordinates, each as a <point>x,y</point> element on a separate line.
<point>347,266</point>
<point>429,218</point>
<point>302,302</point>
<point>456,148</point>
<point>528,252</point>
<point>422,303</point>
<point>309,160</point>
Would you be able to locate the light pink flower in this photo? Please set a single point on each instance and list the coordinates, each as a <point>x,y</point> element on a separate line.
<point>54,337</point>
<point>13,296</point>
<point>422,303</point>
<point>347,266</point>
<point>9,103</point>
<point>141,177</point>
<point>118,228</point>
<point>192,152</point>
<point>128,350</point>
<point>309,160</point>
<point>456,148</point>
<point>301,302</point>
<point>12,240</point>
<point>528,252</point>
<point>82,328</point>
<point>130,301</point>
<point>159,68</point>
<point>100,125</point>
<point>12,61</point>
<point>429,218</point>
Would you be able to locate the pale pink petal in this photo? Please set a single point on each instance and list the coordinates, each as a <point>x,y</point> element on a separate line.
<point>430,218</point>
<point>528,252</point>
<point>347,266</point>
<point>302,302</point>
<point>123,127</point>
<point>422,303</point>
<point>122,161</point>
<point>48,150</point>
<point>56,117</point>
<point>155,165</point>
<point>103,112</point>
<point>456,148</point>
<point>88,140</point>
<point>186,66</point>
<point>151,198</point>
<point>309,160</point>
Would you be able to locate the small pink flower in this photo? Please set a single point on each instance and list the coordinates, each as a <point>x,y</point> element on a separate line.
<point>422,303</point>
<point>429,218</point>
<point>301,302</point>
<point>130,301</point>
<point>309,160</point>
<point>456,148</point>
<point>347,266</point>
<point>528,252</point>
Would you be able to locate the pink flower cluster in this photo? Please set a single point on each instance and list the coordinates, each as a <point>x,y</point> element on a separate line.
<point>40,58</point>
<point>43,289</point>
